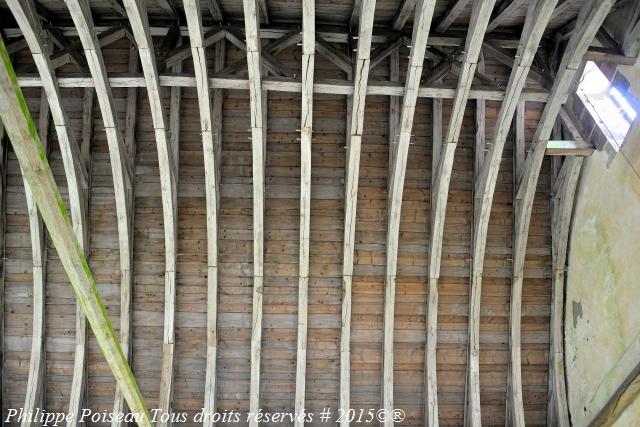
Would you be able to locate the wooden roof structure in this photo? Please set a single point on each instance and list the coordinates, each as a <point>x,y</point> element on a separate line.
<point>353,187</point>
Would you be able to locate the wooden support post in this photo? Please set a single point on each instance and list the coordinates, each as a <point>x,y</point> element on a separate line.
<point>355,121</point>
<point>168,184</point>
<point>535,24</point>
<point>480,137</point>
<point>306,131</point>
<point>35,396</point>
<point>422,25</point>
<point>126,280</point>
<point>589,20</point>
<point>4,143</point>
<point>258,129</point>
<point>32,160</point>
<point>210,127</point>
<point>394,110</point>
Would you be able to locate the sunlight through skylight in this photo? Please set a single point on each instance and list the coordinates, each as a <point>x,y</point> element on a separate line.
<point>608,106</point>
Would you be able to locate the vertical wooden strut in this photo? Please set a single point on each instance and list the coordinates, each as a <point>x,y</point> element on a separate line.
<point>306,130</point>
<point>168,181</point>
<point>120,164</point>
<point>354,139</point>
<point>444,156</point>
<point>589,20</point>
<point>26,16</point>
<point>126,284</point>
<point>34,397</point>
<point>564,190</point>
<point>421,27</point>
<point>3,216</point>
<point>534,26</point>
<point>257,102</point>
<point>210,140</point>
<point>32,159</point>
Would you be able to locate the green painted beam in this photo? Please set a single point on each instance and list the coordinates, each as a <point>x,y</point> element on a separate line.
<point>36,170</point>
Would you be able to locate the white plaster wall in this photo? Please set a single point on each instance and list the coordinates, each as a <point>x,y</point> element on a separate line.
<point>602,317</point>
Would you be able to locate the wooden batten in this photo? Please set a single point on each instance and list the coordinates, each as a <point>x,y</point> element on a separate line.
<point>422,25</point>
<point>355,122</point>
<point>306,132</point>
<point>588,22</point>
<point>534,27</point>
<point>168,184</point>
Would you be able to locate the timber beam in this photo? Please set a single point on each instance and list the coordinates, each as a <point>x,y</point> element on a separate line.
<point>355,127</point>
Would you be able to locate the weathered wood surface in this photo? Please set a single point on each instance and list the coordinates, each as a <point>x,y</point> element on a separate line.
<point>588,22</point>
<point>44,190</point>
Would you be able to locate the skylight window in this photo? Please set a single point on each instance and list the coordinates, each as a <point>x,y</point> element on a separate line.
<point>609,106</point>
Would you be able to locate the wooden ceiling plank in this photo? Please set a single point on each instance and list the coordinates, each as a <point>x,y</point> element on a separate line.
<point>402,15</point>
<point>450,15</point>
<point>481,14</point>
<point>537,18</point>
<point>306,132</point>
<point>126,282</point>
<point>36,382</point>
<point>356,106</point>
<point>422,26</point>
<point>210,140</point>
<point>589,20</point>
<point>37,171</point>
<point>138,19</point>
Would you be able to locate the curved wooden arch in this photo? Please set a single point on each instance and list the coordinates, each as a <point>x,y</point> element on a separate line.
<point>444,157</point>
<point>120,165</point>
<point>398,165</point>
<point>210,145</point>
<point>138,19</point>
<point>76,173</point>
<point>588,22</point>
<point>355,121</point>
<point>34,396</point>
<point>535,24</point>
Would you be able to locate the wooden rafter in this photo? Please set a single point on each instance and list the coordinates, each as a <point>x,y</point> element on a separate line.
<point>180,53</point>
<point>126,285</point>
<point>269,62</point>
<point>336,56</point>
<point>383,51</point>
<point>37,171</point>
<point>450,15</point>
<point>210,142</point>
<point>258,130</point>
<point>506,9</point>
<point>535,24</point>
<point>402,15</point>
<point>421,27</point>
<point>561,210</point>
<point>105,38</point>
<point>354,139</point>
<point>137,14</point>
<point>589,20</point>
<point>34,396</point>
<point>76,173</point>
<point>215,9</point>
<point>479,20</point>
<point>306,131</point>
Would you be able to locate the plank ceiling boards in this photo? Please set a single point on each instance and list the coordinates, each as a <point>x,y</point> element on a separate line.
<point>353,252</point>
